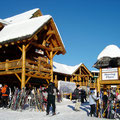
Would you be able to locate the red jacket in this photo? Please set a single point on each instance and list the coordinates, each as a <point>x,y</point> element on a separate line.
<point>4,90</point>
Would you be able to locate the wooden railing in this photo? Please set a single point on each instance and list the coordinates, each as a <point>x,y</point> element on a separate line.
<point>39,66</point>
<point>9,65</point>
<point>83,83</point>
<point>93,85</point>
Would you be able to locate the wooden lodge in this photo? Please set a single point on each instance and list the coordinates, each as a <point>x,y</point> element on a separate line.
<point>28,43</point>
<point>78,73</point>
<point>108,64</point>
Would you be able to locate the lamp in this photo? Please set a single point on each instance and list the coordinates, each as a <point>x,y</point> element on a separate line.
<point>47,44</point>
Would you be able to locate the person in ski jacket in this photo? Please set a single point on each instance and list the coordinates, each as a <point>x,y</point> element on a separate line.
<point>0,95</point>
<point>5,95</point>
<point>92,102</point>
<point>83,96</point>
<point>77,93</point>
<point>118,97</point>
<point>105,101</point>
<point>52,92</point>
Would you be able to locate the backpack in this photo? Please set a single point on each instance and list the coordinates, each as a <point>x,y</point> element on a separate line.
<point>50,90</point>
<point>76,94</point>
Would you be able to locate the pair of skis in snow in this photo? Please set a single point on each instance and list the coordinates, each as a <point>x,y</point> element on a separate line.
<point>19,99</point>
<point>37,100</point>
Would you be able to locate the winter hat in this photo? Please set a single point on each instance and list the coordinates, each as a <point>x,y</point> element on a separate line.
<point>51,83</point>
<point>5,86</point>
<point>105,93</point>
<point>92,91</point>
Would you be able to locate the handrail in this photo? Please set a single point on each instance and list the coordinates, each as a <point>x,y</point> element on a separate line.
<point>10,64</point>
<point>93,85</point>
<point>10,61</point>
<point>32,65</point>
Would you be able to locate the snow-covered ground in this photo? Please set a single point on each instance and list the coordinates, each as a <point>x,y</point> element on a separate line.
<point>64,110</point>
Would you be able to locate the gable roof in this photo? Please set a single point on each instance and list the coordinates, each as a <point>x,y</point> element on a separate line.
<point>21,17</point>
<point>24,25</point>
<point>65,69</point>
<point>22,29</point>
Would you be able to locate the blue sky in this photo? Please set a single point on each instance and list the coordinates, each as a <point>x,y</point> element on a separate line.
<point>86,26</point>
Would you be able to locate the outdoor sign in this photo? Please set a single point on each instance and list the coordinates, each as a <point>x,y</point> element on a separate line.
<point>109,74</point>
<point>66,87</point>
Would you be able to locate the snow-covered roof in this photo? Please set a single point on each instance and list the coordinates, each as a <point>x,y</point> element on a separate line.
<point>24,25</point>
<point>59,34</point>
<point>95,71</point>
<point>22,16</point>
<point>65,69</point>
<point>111,51</point>
<point>4,22</point>
<point>23,29</point>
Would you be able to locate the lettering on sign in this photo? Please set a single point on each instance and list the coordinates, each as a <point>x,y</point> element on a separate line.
<point>110,74</point>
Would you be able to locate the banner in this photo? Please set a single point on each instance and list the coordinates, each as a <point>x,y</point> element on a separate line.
<point>66,87</point>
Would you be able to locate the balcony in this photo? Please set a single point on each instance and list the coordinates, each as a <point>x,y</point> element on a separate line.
<point>93,85</point>
<point>38,68</point>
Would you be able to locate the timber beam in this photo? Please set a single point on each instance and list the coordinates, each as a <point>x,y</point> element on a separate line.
<point>46,48</point>
<point>36,76</point>
<point>9,72</point>
<point>41,46</point>
<point>50,32</point>
<point>113,82</point>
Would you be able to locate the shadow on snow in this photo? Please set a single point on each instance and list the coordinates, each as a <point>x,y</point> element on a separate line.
<point>84,107</point>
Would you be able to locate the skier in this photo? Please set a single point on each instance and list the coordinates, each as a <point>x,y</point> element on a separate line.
<point>82,95</point>
<point>92,101</point>
<point>5,95</point>
<point>77,93</point>
<point>52,91</point>
<point>105,101</point>
<point>0,95</point>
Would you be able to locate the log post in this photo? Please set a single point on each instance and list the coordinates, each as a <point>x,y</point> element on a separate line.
<point>87,81</point>
<point>23,66</point>
<point>65,78</point>
<point>99,79</point>
<point>39,64</point>
<point>72,79</point>
<point>51,63</point>
<point>83,81</point>
<point>6,65</point>
<point>119,72</point>
<point>56,81</point>
<point>79,79</point>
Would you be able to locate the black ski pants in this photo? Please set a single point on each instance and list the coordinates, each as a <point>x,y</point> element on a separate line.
<point>92,111</point>
<point>4,101</point>
<point>51,101</point>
